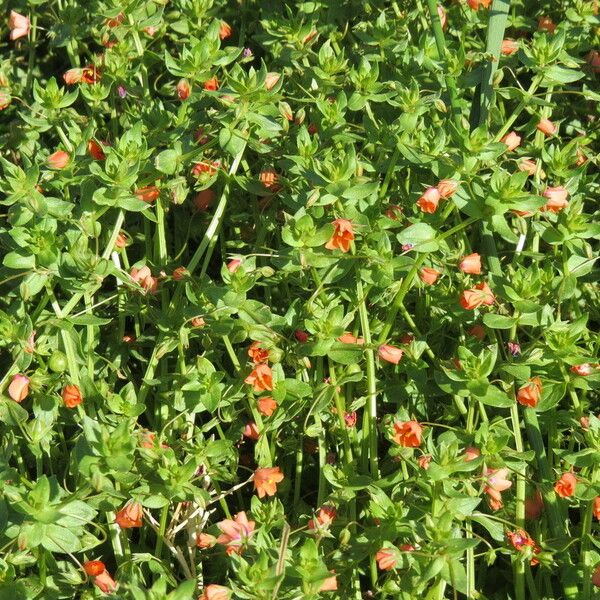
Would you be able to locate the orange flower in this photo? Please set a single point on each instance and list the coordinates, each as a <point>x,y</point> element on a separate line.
<point>210,167</point>
<point>511,140</point>
<point>428,275</point>
<point>205,540</point>
<point>233,265</point>
<point>521,541</point>
<point>204,199</point>
<point>5,99</point>
<point>235,532</point>
<point>71,396</point>
<point>215,592</point>
<point>348,338</point>
<point>266,406</point>
<point>596,507</point>
<point>89,75</point>
<point>95,150</point>
<point>147,194</point>
<point>527,165</point>
<point>59,160</point>
<point>447,187</point>
<point>144,278</point>
<point>116,21</point>
<point>329,585</point>
<point>342,236</point>
<point>423,461</point>
<point>476,4</point>
<point>261,378</point>
<point>471,264</point>
<point>251,431</point>
<point>19,388</point>
<point>546,24</point>
<point>183,89</point>
<point>122,240</point>
<point>593,59</point>
<point>266,480</point>
<point>583,370</point>
<point>387,559</point>
<point>509,47</point>
<point>257,353</point>
<point>180,273</point>
<point>270,179</point>
<point>105,582</point>
<point>19,25</point>
<point>224,30</point>
<point>534,505</point>
<point>271,80</point>
<point>324,518</point>
<point>529,394</point>
<point>408,434</point>
<point>471,453</point>
<point>389,353</point>
<point>557,199</point>
<point>565,486</point>
<point>93,567</point>
<point>129,516</point>
<point>496,483</point>
<point>547,127</point>
<point>211,85</point>
<point>429,201</point>
<point>596,576</point>
<point>476,296</point>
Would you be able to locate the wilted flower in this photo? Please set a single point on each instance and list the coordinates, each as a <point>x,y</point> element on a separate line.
<point>95,150</point>
<point>477,331</point>
<point>266,480</point>
<point>144,278</point>
<point>270,179</point>
<point>350,419</point>
<point>583,370</point>
<point>301,336</point>
<point>546,24</point>
<point>271,80</point>
<point>349,338</point>
<point>424,460</point>
<point>514,348</point>
<point>147,194</point>
<point>534,505</point>
<point>324,518</point>
<point>342,237</point>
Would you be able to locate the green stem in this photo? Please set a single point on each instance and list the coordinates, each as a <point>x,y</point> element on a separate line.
<point>370,414</point>
<point>32,45</point>
<point>164,515</point>
<point>519,564</point>
<point>440,42</point>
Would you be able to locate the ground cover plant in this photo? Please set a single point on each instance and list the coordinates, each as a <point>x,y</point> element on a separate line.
<point>299,299</point>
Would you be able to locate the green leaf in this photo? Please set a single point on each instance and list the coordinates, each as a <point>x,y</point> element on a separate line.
<point>19,260</point>
<point>60,539</point>
<point>557,75</point>
<point>498,321</point>
<point>167,161</point>
<point>421,236</point>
